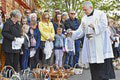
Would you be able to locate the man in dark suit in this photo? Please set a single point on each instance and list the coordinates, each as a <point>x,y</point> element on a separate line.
<point>73,24</point>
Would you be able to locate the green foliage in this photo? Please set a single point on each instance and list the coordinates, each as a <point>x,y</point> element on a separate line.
<point>66,5</point>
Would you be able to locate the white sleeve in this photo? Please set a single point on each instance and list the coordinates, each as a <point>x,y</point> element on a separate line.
<point>79,33</point>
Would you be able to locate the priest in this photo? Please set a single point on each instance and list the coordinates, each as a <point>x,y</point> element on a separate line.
<point>97,48</point>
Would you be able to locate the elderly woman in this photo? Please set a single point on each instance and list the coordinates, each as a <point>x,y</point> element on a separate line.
<point>33,18</point>
<point>47,34</point>
<point>11,31</point>
<point>34,35</point>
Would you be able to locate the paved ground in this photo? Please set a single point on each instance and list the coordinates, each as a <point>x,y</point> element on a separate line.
<point>86,76</point>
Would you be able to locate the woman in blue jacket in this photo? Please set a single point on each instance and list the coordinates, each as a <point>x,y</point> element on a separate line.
<point>35,39</point>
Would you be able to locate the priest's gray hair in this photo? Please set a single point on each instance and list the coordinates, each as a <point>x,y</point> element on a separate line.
<point>87,4</point>
<point>15,13</point>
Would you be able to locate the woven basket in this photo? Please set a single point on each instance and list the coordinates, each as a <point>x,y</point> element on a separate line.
<point>7,72</point>
<point>41,71</point>
<point>55,73</point>
<point>37,71</point>
<point>77,70</point>
<point>67,71</point>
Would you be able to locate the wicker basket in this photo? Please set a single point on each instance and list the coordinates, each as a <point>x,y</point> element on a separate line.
<point>55,73</point>
<point>37,71</point>
<point>41,71</point>
<point>67,71</point>
<point>7,72</point>
<point>77,70</point>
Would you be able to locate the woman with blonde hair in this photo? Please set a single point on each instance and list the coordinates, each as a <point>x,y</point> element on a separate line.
<point>47,34</point>
<point>25,47</point>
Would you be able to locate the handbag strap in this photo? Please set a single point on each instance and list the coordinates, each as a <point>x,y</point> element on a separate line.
<point>38,65</point>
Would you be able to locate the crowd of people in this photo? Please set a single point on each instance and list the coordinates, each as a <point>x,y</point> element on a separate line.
<point>36,33</point>
<point>27,41</point>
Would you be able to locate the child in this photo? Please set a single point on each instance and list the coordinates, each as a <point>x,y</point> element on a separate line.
<point>70,48</point>
<point>34,44</point>
<point>23,22</point>
<point>25,47</point>
<point>59,45</point>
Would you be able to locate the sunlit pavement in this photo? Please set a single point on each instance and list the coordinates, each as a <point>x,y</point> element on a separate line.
<point>86,76</point>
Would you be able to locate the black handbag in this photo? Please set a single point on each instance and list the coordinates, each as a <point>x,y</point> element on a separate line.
<point>42,44</point>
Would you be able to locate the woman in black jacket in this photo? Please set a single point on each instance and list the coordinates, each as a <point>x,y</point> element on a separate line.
<point>10,32</point>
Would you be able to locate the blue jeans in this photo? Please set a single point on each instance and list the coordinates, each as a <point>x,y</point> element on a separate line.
<point>77,51</point>
<point>119,50</point>
<point>69,58</point>
<point>25,58</point>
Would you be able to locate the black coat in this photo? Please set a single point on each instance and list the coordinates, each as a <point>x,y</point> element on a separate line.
<point>69,24</point>
<point>9,32</point>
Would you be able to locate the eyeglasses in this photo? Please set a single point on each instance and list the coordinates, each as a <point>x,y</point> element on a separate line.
<point>46,18</point>
<point>72,13</point>
<point>59,28</point>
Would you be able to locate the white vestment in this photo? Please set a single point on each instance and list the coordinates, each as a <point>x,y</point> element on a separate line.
<point>99,47</point>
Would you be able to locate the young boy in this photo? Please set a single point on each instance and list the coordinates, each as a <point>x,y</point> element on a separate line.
<point>70,48</point>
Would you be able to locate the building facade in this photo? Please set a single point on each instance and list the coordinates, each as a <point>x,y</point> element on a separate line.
<point>22,5</point>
